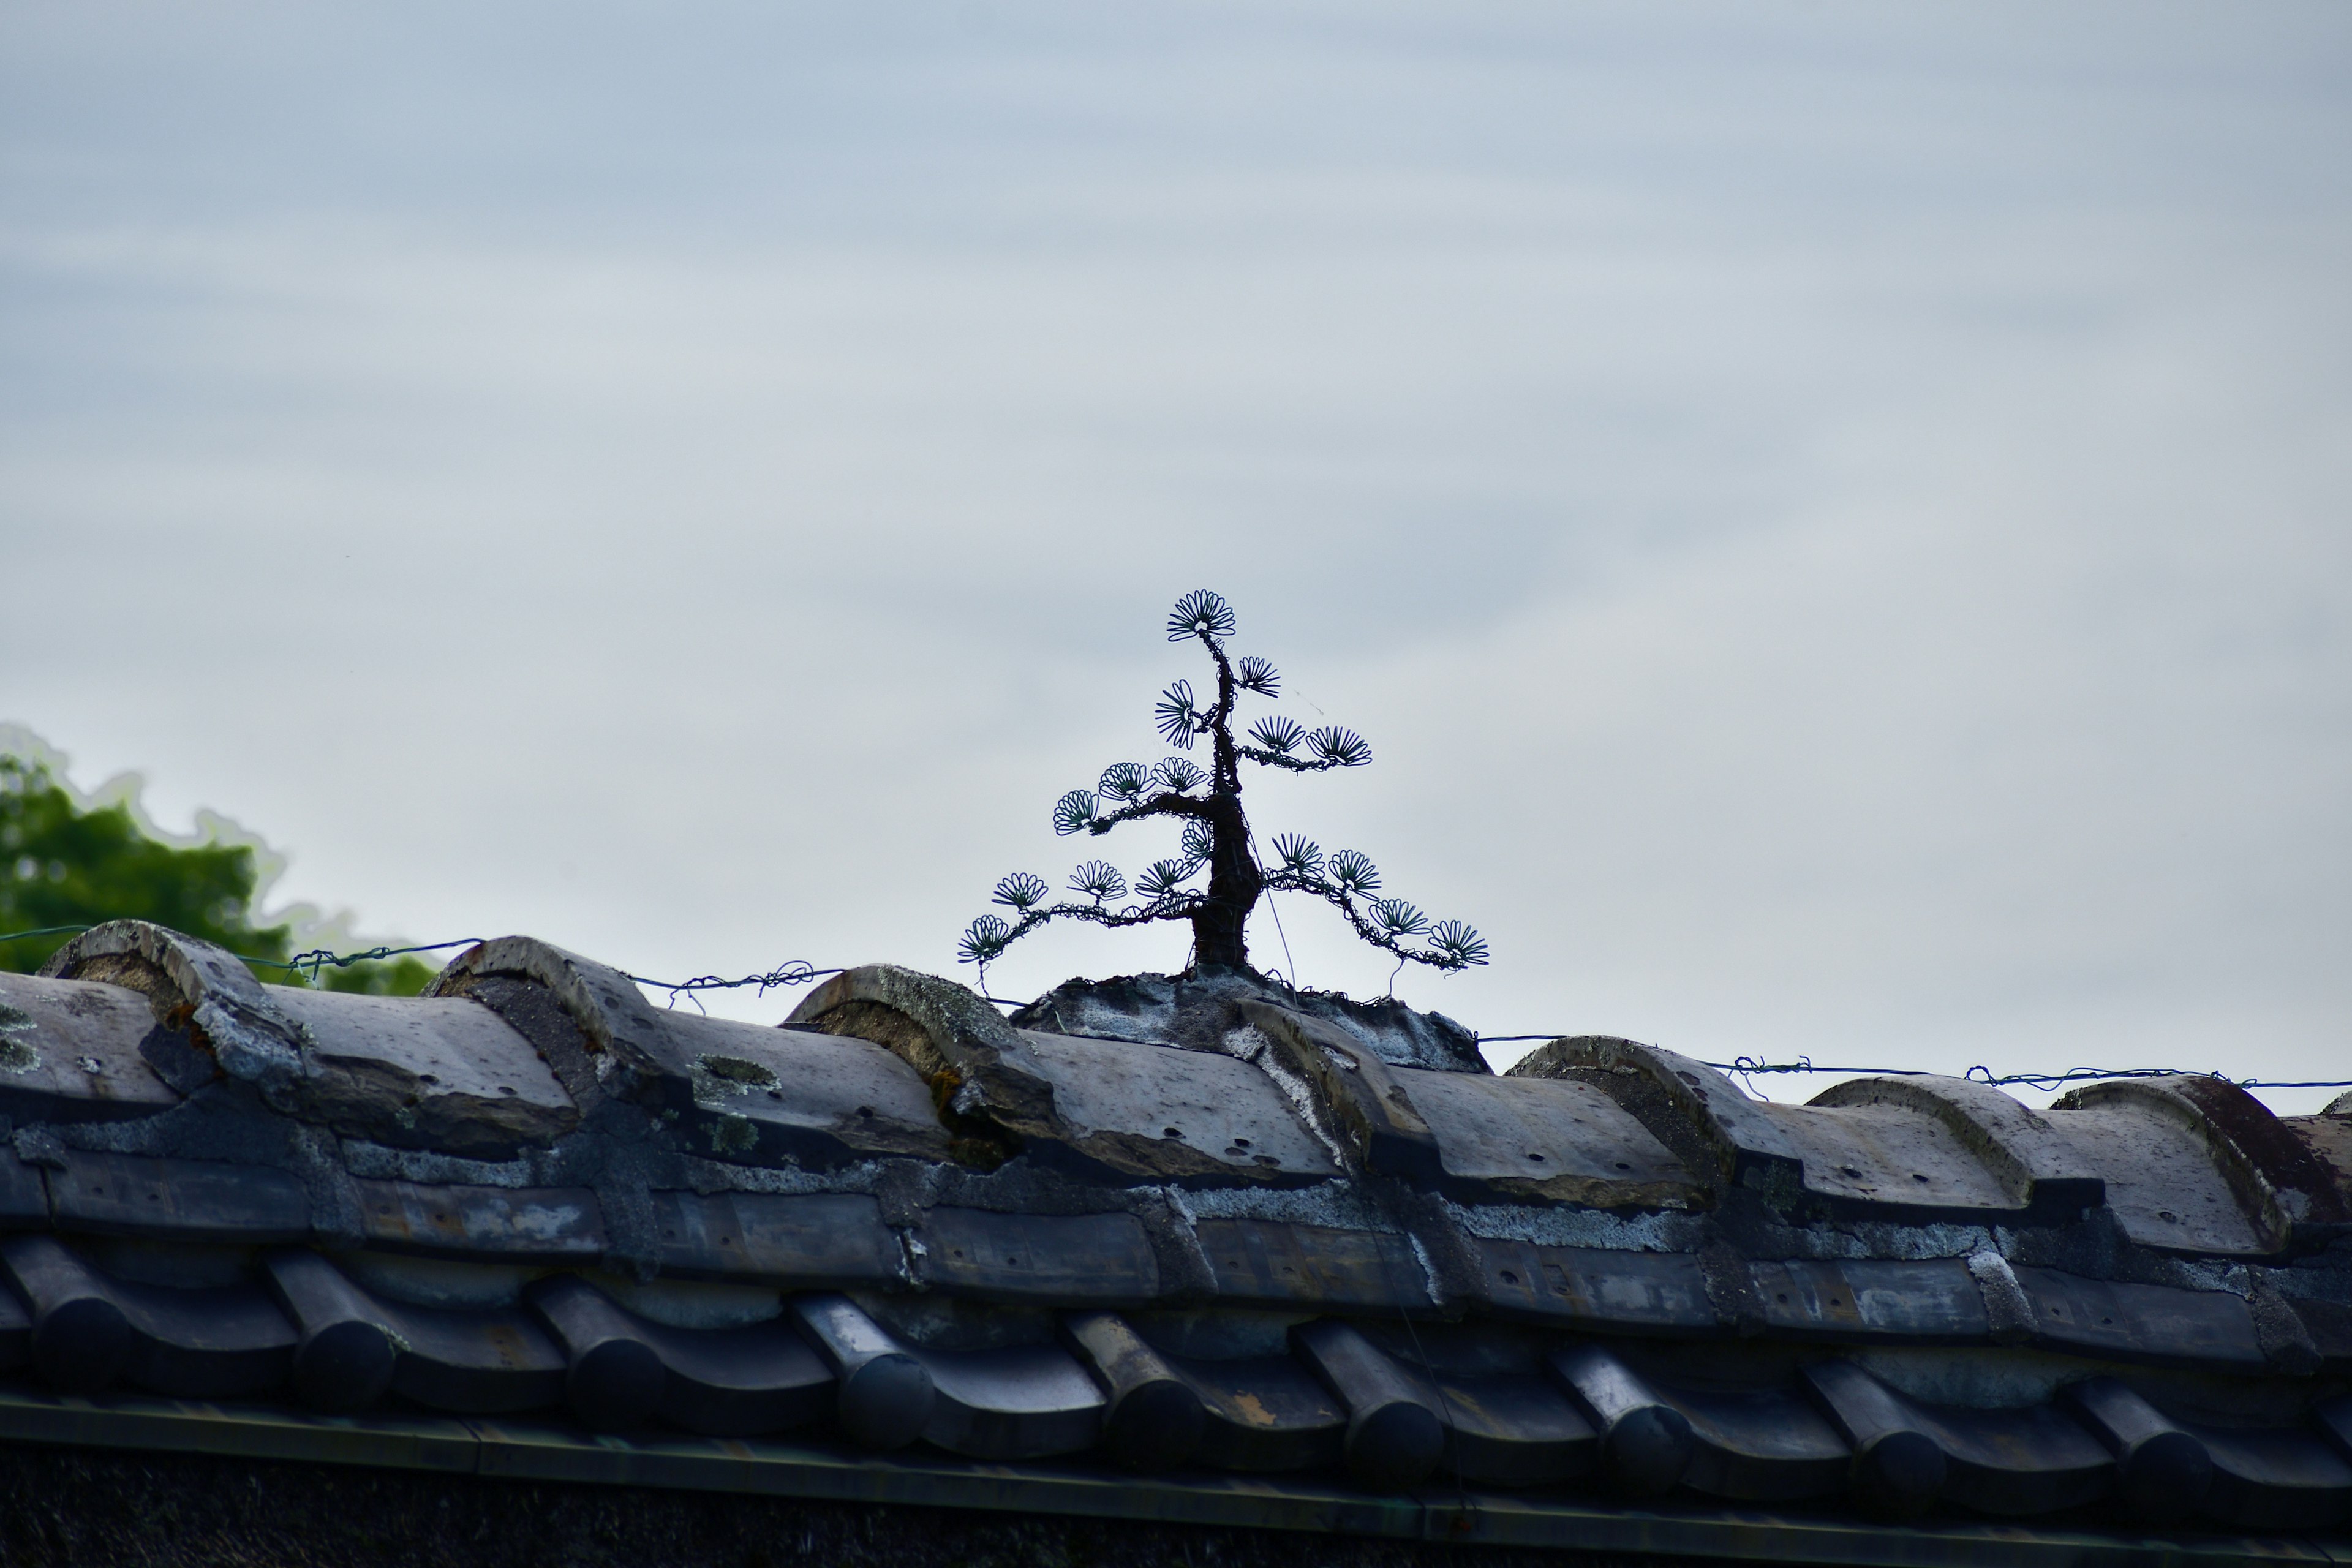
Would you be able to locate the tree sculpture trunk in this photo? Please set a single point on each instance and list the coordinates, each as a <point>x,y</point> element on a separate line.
<point>1220,925</point>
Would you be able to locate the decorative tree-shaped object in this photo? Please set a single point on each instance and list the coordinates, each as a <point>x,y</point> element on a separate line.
<point>1216,833</point>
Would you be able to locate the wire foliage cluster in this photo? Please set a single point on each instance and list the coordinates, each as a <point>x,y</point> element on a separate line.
<point>1215,837</point>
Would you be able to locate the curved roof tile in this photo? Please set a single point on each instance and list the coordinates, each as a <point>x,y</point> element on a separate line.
<point>1269,1238</point>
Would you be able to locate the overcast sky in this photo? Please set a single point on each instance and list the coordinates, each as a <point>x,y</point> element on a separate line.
<point>1834,518</point>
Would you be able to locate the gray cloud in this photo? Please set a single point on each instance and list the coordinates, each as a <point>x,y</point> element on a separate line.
<point>1832,517</point>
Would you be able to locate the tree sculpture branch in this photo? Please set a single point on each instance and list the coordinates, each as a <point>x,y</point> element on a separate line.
<point>1216,836</point>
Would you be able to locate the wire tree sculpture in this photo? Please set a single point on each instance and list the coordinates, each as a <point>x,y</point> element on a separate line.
<point>1216,833</point>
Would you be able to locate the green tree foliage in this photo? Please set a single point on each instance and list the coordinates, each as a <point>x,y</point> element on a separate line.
<point>69,867</point>
<point>62,864</point>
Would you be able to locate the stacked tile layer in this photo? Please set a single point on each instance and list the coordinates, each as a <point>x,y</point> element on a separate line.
<point>1200,1223</point>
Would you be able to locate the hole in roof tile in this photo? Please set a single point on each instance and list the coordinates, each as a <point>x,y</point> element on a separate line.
<point>1917,1177</point>
<point>426,1078</point>
<point>2168,1214</point>
<point>866,1111</point>
<point>2106,1322</point>
<point>505,1089</point>
<point>1536,1157</point>
<point>1509,1278</point>
<point>1623,1166</point>
<point>1241,1142</point>
<point>1784,1299</point>
<point>1848,1171</point>
<point>1171,1133</point>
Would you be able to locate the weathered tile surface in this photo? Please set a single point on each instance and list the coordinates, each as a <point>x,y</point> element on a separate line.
<point>1277,1239</point>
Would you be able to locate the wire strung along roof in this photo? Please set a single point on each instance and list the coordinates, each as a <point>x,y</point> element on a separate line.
<point>1148,1235</point>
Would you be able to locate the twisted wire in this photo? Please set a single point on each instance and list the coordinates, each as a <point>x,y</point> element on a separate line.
<point>799,971</point>
<point>795,972</point>
<point>1745,1066</point>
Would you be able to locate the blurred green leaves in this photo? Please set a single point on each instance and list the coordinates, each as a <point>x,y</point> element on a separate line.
<point>65,864</point>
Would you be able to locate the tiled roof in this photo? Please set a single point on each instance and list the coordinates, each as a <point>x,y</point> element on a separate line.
<point>1169,1225</point>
